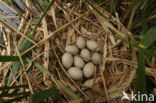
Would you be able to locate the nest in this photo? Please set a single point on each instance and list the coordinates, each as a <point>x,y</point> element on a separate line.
<point>61,27</point>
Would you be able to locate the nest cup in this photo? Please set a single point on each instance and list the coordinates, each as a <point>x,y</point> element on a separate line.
<point>114,72</point>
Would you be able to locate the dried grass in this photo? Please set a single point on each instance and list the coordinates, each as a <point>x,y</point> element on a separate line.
<point>61,26</point>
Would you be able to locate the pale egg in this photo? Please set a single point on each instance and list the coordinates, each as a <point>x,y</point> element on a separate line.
<point>80,42</point>
<point>71,49</point>
<point>96,58</point>
<point>78,61</point>
<point>92,45</point>
<point>67,60</point>
<point>75,73</point>
<point>88,70</point>
<point>85,54</point>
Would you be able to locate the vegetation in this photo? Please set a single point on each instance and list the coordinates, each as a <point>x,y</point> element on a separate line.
<point>30,64</point>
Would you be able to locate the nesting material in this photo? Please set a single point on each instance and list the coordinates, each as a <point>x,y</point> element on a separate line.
<point>81,64</point>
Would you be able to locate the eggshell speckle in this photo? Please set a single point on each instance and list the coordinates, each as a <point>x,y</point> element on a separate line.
<point>71,49</point>
<point>92,45</point>
<point>67,60</point>
<point>88,70</point>
<point>96,58</point>
<point>78,61</point>
<point>75,73</point>
<point>85,54</point>
<point>80,42</point>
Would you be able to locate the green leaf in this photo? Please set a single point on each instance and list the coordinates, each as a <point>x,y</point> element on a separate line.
<point>14,94</point>
<point>13,87</point>
<point>101,14</point>
<point>9,58</point>
<point>14,100</point>
<point>38,97</point>
<point>15,68</point>
<point>39,66</point>
<point>149,38</point>
<point>132,5</point>
<point>147,52</point>
<point>13,71</point>
<point>69,92</point>
<point>141,76</point>
<point>25,45</point>
<point>94,92</point>
<point>113,5</point>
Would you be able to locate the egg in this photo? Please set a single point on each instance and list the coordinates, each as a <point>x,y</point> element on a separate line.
<point>78,61</point>
<point>75,73</point>
<point>88,70</point>
<point>96,58</point>
<point>97,49</point>
<point>67,60</point>
<point>92,45</point>
<point>71,49</point>
<point>85,54</point>
<point>80,42</point>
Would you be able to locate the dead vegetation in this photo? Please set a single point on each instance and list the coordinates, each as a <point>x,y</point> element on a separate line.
<point>61,26</point>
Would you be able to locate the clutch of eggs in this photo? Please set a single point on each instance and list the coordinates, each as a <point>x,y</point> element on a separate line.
<point>81,58</point>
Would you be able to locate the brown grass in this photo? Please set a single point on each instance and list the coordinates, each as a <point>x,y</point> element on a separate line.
<point>61,26</point>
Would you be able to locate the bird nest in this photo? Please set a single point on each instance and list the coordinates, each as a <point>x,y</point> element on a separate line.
<point>116,72</point>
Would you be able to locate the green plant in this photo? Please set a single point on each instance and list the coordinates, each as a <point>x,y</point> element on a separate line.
<point>15,96</point>
<point>148,39</point>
